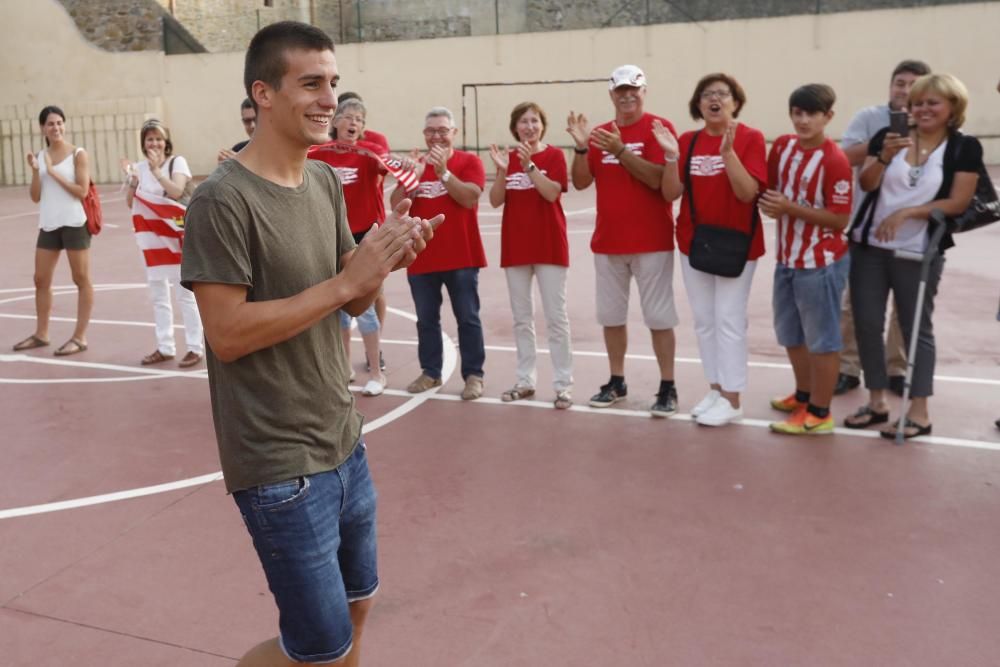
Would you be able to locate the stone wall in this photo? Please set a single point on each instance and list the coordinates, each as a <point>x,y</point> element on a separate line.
<point>132,25</point>
<point>228,25</point>
<point>546,15</point>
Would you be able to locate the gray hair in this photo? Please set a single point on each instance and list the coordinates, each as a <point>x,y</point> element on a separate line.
<point>352,104</point>
<point>441,112</point>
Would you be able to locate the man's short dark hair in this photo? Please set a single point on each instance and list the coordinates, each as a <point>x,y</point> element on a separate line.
<point>246,104</point>
<point>915,67</point>
<point>812,98</point>
<point>348,95</point>
<point>265,59</point>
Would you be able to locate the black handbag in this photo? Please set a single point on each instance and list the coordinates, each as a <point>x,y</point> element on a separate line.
<point>721,251</point>
<point>984,208</point>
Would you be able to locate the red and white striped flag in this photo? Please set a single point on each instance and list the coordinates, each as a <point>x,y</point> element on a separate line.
<point>159,232</point>
<point>408,178</point>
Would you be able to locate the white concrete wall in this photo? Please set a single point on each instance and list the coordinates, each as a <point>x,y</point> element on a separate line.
<point>46,61</point>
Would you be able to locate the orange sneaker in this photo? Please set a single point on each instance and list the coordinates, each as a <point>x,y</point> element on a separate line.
<point>803,422</point>
<point>787,404</point>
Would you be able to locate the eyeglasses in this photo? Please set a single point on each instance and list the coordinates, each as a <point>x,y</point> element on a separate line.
<point>437,132</point>
<point>354,119</point>
<point>717,94</point>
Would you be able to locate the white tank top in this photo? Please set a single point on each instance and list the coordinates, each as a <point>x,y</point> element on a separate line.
<point>58,208</point>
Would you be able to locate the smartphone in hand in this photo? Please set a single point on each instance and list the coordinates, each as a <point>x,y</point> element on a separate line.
<point>899,122</point>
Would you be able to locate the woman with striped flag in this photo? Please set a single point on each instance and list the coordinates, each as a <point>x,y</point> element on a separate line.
<point>158,188</point>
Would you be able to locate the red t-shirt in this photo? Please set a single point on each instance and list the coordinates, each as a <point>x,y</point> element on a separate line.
<point>533,230</point>
<point>377,138</point>
<point>714,200</point>
<point>456,243</point>
<point>361,176</point>
<point>631,216</point>
<point>818,177</point>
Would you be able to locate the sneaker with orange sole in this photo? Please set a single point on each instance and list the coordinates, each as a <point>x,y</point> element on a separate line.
<point>787,404</point>
<point>803,422</point>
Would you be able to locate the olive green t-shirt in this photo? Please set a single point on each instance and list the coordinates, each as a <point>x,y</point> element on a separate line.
<point>284,411</point>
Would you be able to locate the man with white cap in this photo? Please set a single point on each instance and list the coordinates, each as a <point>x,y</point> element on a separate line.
<point>633,234</point>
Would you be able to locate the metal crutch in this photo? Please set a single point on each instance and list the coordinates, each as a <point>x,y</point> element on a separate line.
<point>939,228</point>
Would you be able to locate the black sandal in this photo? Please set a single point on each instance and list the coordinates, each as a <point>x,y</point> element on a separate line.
<point>868,416</point>
<point>908,423</point>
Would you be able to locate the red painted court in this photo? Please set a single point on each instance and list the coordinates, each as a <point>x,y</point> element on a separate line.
<point>510,534</point>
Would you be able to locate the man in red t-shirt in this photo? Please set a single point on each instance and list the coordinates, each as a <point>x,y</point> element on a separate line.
<point>451,183</point>
<point>633,234</point>
<point>809,196</point>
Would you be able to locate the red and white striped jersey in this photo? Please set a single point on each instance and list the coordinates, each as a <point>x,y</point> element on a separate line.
<point>819,178</point>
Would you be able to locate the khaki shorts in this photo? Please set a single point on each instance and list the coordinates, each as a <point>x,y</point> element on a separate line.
<point>64,238</point>
<point>654,275</point>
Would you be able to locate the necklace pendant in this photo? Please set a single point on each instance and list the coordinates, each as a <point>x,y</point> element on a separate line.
<point>915,173</point>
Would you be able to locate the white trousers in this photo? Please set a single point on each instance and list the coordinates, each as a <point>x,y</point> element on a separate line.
<point>719,307</point>
<point>552,287</point>
<point>163,312</point>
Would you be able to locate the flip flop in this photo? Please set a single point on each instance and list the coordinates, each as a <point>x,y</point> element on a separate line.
<point>72,346</point>
<point>30,343</point>
<point>867,416</point>
<point>908,423</point>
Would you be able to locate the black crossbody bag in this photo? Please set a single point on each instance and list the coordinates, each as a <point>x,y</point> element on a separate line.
<point>721,251</point>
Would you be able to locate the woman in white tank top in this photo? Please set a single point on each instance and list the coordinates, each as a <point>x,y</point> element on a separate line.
<point>60,176</point>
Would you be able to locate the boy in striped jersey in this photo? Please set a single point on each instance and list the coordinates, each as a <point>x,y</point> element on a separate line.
<point>809,196</point>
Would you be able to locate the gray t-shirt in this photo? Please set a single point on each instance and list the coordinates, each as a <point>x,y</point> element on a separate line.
<point>283,411</point>
<point>860,130</point>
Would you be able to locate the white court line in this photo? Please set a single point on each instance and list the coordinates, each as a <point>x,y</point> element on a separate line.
<point>685,417</point>
<point>450,362</point>
<point>449,367</point>
<point>35,212</point>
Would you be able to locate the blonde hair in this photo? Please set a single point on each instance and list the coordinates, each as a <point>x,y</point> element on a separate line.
<point>948,87</point>
<point>154,125</point>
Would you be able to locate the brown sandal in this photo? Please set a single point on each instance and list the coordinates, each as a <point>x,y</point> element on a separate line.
<point>72,346</point>
<point>516,394</point>
<point>30,343</point>
<point>190,359</point>
<point>156,357</point>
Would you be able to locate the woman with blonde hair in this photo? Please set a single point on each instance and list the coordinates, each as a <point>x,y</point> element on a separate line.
<point>60,177</point>
<point>933,166</point>
<point>163,174</point>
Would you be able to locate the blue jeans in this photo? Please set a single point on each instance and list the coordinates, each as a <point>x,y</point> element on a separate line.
<point>463,290</point>
<point>315,538</point>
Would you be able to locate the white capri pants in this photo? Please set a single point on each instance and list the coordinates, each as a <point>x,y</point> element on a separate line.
<point>552,287</point>
<point>163,312</point>
<point>719,307</point>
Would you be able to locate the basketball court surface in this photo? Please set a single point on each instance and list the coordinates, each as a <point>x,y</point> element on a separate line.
<point>510,534</point>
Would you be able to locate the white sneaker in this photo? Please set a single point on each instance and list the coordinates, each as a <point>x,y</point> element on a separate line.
<point>373,388</point>
<point>722,412</point>
<point>705,403</point>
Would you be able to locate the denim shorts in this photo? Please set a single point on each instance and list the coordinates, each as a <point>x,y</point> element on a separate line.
<point>367,321</point>
<point>315,537</point>
<point>807,306</point>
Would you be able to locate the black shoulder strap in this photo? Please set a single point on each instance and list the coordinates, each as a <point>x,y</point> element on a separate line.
<point>687,177</point>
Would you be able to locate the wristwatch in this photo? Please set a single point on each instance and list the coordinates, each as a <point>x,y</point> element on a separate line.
<point>530,168</point>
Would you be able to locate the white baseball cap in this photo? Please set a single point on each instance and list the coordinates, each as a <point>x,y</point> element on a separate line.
<point>627,75</point>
